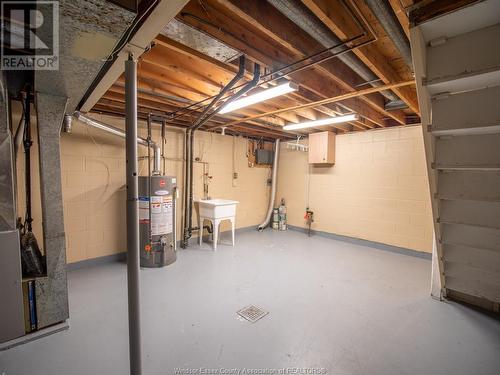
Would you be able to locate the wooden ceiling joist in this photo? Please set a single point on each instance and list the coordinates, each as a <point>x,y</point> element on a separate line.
<point>427,10</point>
<point>290,36</point>
<point>328,100</point>
<point>173,76</point>
<point>272,55</point>
<point>307,115</point>
<point>116,97</point>
<point>336,18</point>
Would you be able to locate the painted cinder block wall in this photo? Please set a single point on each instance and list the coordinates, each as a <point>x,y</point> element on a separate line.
<point>93,179</point>
<point>377,190</point>
<point>94,183</point>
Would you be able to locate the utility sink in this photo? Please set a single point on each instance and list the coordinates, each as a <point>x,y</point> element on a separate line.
<point>217,208</point>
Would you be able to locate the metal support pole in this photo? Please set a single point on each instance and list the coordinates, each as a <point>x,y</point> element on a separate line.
<point>133,277</point>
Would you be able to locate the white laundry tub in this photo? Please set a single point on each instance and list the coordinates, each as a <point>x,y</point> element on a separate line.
<point>217,208</point>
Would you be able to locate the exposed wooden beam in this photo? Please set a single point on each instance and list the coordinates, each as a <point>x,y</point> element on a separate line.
<point>432,9</point>
<point>229,69</point>
<point>288,101</point>
<point>172,75</point>
<point>283,31</point>
<point>181,80</point>
<point>400,12</point>
<point>185,50</point>
<point>152,102</point>
<point>182,69</point>
<point>106,104</point>
<point>179,57</point>
<point>215,69</point>
<point>329,100</point>
<point>119,100</point>
<point>156,99</point>
<point>165,84</point>
<point>173,105</point>
<point>143,114</point>
<point>327,111</point>
<point>307,114</point>
<point>241,35</point>
<point>262,131</point>
<point>159,94</point>
<point>340,22</point>
<point>116,97</point>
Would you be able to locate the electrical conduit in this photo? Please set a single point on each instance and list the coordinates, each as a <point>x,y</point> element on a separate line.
<point>120,133</point>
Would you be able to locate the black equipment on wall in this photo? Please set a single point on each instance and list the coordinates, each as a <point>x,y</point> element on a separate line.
<point>31,256</point>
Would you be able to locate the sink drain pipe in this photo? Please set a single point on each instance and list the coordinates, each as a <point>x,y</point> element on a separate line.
<point>266,221</point>
<point>189,141</point>
<point>188,150</point>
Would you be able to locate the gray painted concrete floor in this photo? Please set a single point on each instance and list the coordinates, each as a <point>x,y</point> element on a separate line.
<point>347,308</point>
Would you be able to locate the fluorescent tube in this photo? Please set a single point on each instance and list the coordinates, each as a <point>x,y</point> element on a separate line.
<point>259,97</point>
<point>325,121</point>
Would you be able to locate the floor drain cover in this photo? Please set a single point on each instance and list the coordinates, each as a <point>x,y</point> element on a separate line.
<point>252,313</point>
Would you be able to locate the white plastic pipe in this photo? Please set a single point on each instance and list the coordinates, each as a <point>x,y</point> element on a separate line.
<point>266,221</point>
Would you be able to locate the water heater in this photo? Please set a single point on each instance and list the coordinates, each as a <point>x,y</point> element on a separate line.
<point>157,212</point>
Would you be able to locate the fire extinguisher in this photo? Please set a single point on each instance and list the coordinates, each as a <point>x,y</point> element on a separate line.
<point>309,217</point>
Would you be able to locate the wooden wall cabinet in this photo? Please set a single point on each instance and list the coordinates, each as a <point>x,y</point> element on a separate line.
<point>322,148</point>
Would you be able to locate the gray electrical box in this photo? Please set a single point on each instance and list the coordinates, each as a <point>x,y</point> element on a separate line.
<point>264,156</point>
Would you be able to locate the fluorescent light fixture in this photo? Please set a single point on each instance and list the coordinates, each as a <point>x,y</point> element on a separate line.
<point>325,121</point>
<point>259,97</point>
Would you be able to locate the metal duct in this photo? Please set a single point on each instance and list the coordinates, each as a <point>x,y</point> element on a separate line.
<point>67,123</point>
<point>199,41</point>
<point>395,105</point>
<point>265,223</point>
<point>296,13</point>
<point>156,158</point>
<point>120,133</point>
<point>387,18</point>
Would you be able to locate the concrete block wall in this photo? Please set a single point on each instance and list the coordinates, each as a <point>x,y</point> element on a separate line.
<point>93,177</point>
<point>93,180</point>
<point>94,183</point>
<point>377,190</point>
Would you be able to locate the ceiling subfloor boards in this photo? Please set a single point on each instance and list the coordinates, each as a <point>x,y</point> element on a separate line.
<point>176,81</point>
